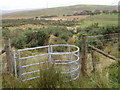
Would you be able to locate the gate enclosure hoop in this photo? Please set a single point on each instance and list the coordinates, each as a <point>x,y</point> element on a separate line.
<point>69,66</point>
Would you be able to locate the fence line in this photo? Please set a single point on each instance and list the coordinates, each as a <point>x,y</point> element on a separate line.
<point>97,43</point>
<point>103,35</point>
<point>85,45</point>
<point>103,53</point>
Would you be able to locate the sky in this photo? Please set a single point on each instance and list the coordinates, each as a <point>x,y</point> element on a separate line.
<point>40,4</point>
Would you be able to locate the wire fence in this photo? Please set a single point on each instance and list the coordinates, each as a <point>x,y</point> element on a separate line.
<point>109,44</point>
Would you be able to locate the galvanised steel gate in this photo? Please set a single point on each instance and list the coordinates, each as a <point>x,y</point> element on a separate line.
<point>69,64</point>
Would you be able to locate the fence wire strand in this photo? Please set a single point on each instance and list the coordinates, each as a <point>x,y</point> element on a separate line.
<point>107,43</point>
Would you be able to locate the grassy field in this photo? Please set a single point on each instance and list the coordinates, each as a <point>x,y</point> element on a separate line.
<point>102,20</point>
<point>104,79</point>
<point>59,11</point>
<point>106,75</point>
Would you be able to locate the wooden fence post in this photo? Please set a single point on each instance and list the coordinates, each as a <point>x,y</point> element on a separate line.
<point>93,60</point>
<point>84,55</point>
<point>9,56</point>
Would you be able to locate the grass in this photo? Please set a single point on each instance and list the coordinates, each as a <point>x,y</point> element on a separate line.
<point>107,69</point>
<point>37,60</point>
<point>102,20</point>
<point>106,79</point>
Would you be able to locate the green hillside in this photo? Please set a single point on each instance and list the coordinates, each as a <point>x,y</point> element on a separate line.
<point>59,10</point>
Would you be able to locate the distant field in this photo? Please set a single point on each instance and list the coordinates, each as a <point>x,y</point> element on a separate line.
<point>69,18</point>
<point>59,11</point>
<point>19,18</point>
<point>102,20</point>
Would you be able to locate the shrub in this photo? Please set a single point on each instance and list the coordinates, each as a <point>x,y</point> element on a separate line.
<point>57,33</point>
<point>30,39</point>
<point>60,49</point>
<point>80,34</point>
<point>6,32</point>
<point>42,37</point>
<point>19,42</point>
<point>64,37</point>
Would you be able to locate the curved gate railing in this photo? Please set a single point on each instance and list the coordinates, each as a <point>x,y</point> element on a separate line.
<point>69,64</point>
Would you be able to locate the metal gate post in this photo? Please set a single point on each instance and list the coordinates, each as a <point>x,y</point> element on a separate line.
<point>51,50</point>
<point>20,68</point>
<point>79,62</point>
<point>70,58</point>
<point>69,52</point>
<point>71,68</point>
<point>49,55</point>
<point>15,68</point>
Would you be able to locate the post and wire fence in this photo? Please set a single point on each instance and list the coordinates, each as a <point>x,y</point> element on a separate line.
<point>99,50</point>
<point>102,50</point>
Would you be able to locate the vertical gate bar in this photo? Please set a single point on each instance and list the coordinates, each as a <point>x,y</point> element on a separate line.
<point>78,53</point>
<point>71,68</point>
<point>15,64</point>
<point>20,69</point>
<point>51,49</point>
<point>49,55</point>
<point>79,62</point>
<point>69,52</point>
<point>70,58</point>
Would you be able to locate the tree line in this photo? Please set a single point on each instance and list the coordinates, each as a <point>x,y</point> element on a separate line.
<point>94,12</point>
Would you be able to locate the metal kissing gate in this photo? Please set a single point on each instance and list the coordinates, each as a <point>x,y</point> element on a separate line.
<point>27,66</point>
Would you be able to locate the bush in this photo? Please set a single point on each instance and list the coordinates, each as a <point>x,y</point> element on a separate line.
<point>31,38</point>
<point>57,33</point>
<point>64,37</point>
<point>19,42</point>
<point>6,32</point>
<point>60,49</point>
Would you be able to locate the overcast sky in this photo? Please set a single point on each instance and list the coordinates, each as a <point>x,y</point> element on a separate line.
<point>37,4</point>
